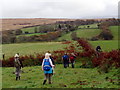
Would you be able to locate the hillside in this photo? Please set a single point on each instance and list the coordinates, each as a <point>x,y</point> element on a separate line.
<point>83,32</point>
<point>13,24</point>
<point>88,33</point>
<point>30,48</point>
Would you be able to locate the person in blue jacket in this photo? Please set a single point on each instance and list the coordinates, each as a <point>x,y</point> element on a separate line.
<point>47,67</point>
<point>65,59</point>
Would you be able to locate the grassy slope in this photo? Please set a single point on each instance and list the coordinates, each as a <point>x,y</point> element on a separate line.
<point>91,26</point>
<point>30,30</point>
<point>105,45</point>
<point>114,30</point>
<point>108,45</point>
<point>30,48</point>
<point>83,33</point>
<point>64,78</point>
<point>32,34</point>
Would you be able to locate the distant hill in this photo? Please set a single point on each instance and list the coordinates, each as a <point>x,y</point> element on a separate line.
<point>13,24</point>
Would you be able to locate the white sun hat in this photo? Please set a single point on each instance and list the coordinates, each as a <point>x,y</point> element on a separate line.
<point>16,55</point>
<point>47,54</point>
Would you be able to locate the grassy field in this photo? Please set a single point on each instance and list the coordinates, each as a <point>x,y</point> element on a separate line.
<point>114,30</point>
<point>106,45</point>
<point>82,33</point>
<point>30,48</point>
<point>63,78</point>
<point>30,30</point>
<point>91,26</point>
<point>32,34</point>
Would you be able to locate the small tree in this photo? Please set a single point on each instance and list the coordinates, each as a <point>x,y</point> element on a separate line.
<point>18,32</point>
<point>88,26</point>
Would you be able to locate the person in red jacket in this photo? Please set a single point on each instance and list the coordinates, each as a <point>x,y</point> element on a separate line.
<point>72,59</point>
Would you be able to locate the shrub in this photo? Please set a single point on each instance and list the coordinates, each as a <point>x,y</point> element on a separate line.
<point>18,32</point>
<point>106,35</point>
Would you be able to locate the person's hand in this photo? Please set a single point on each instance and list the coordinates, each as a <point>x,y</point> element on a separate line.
<point>53,66</point>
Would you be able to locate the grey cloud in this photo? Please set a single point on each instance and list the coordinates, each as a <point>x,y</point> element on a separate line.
<point>59,8</point>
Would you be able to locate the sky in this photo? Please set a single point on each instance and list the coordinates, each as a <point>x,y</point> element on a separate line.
<point>58,8</point>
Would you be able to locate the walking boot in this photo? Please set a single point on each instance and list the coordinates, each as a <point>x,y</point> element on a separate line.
<point>44,82</point>
<point>50,82</point>
<point>19,77</point>
<point>16,78</point>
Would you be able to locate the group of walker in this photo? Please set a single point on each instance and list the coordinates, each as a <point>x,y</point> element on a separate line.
<point>48,64</point>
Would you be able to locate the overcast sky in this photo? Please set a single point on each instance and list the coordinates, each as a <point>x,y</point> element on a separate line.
<point>59,8</point>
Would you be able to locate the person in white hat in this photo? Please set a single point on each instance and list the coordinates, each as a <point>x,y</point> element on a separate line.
<point>18,65</point>
<point>47,67</point>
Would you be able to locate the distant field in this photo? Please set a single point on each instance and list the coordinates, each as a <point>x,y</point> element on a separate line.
<point>91,26</point>
<point>106,45</point>
<point>30,48</point>
<point>114,30</point>
<point>82,33</point>
<point>30,30</point>
<point>32,34</point>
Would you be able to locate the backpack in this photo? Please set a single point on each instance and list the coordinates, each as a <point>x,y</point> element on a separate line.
<point>65,57</point>
<point>46,65</point>
<point>71,58</point>
<point>17,63</point>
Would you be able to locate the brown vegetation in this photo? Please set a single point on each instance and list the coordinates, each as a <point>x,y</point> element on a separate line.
<point>13,24</point>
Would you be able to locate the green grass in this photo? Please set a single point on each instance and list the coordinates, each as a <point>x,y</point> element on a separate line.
<point>114,30</point>
<point>32,34</point>
<point>87,33</point>
<point>106,45</point>
<point>64,78</point>
<point>30,30</point>
<point>82,33</point>
<point>30,48</point>
<point>91,26</point>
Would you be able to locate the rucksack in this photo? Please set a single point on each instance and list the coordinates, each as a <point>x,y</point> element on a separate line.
<point>46,65</point>
<point>17,63</point>
<point>65,57</point>
<point>71,58</point>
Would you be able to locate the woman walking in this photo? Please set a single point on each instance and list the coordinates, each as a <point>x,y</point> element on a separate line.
<point>18,64</point>
<point>47,66</point>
